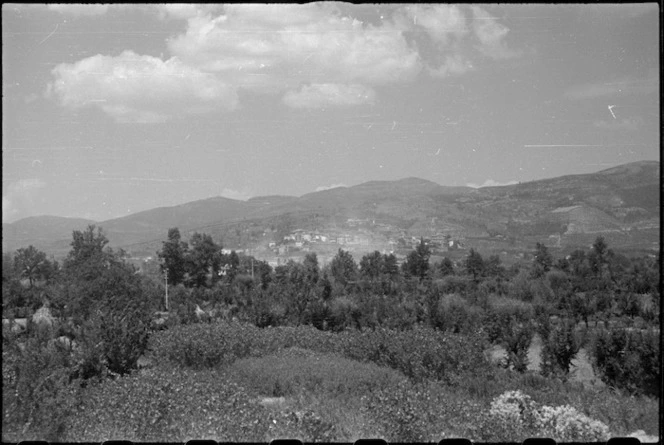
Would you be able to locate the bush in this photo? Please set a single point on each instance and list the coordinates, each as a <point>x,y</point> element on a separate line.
<point>297,370</point>
<point>502,313</point>
<point>168,405</point>
<point>453,313</point>
<point>560,344</point>
<point>515,416</point>
<point>37,396</point>
<point>628,359</point>
<point>421,353</point>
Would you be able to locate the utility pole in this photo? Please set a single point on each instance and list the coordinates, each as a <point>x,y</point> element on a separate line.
<point>252,268</point>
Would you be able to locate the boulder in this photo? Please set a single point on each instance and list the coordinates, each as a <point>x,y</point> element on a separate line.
<point>43,317</point>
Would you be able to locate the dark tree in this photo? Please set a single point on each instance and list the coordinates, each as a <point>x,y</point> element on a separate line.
<point>417,261</point>
<point>543,261</point>
<point>446,267</point>
<point>474,264</point>
<point>203,258</point>
<point>371,266</point>
<point>32,264</point>
<point>311,269</point>
<point>390,266</point>
<point>493,267</point>
<point>172,255</point>
<point>343,268</point>
<point>598,257</point>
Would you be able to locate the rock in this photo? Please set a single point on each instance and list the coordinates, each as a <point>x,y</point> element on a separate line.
<point>43,317</point>
<point>272,401</point>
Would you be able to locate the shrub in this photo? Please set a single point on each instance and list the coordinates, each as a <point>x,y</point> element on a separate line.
<point>502,313</point>
<point>515,416</point>
<point>37,397</point>
<point>168,405</point>
<point>295,370</point>
<point>453,313</point>
<point>421,353</point>
<point>560,344</point>
<point>628,359</point>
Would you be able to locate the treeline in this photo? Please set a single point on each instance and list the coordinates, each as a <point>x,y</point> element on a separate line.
<point>107,307</point>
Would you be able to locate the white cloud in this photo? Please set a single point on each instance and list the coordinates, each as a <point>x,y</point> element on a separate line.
<point>443,23</point>
<point>278,46</point>
<point>81,9</point>
<point>134,88</point>
<point>491,36</point>
<point>240,195</point>
<point>18,197</point>
<point>491,183</point>
<point>321,95</point>
<point>330,187</point>
<point>453,65</point>
<point>276,49</point>
<point>184,11</point>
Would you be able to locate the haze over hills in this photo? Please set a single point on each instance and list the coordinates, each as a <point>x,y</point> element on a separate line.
<point>621,203</point>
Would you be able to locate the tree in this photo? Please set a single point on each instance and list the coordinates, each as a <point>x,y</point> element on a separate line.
<point>474,264</point>
<point>446,267</point>
<point>32,264</point>
<point>343,268</point>
<point>390,266</point>
<point>172,255</point>
<point>87,254</point>
<point>371,266</point>
<point>108,298</point>
<point>311,268</point>
<point>203,258</point>
<point>543,261</point>
<point>417,261</point>
<point>493,267</point>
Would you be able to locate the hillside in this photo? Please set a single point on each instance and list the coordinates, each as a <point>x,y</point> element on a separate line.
<point>621,202</point>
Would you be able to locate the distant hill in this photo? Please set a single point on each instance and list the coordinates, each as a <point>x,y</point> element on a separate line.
<point>40,231</point>
<point>621,202</point>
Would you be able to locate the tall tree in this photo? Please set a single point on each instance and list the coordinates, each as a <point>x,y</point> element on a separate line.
<point>343,267</point>
<point>446,267</point>
<point>173,257</point>
<point>417,261</point>
<point>543,261</point>
<point>371,265</point>
<point>203,258</point>
<point>311,269</point>
<point>32,264</point>
<point>474,264</point>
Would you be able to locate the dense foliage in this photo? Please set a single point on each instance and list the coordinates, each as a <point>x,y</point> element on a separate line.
<point>372,348</point>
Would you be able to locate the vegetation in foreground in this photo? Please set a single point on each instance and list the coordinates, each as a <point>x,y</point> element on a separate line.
<point>332,354</point>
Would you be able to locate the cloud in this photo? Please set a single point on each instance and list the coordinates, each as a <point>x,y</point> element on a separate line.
<point>491,183</point>
<point>330,187</point>
<point>321,95</point>
<point>134,88</point>
<point>312,54</point>
<point>453,65</point>
<point>18,197</point>
<point>240,195</point>
<point>620,87</point>
<point>184,11</point>
<point>491,36</point>
<point>629,124</point>
<point>443,23</point>
<point>89,9</point>
<point>277,47</point>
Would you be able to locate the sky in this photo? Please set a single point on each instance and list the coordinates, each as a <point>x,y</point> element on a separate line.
<point>109,110</point>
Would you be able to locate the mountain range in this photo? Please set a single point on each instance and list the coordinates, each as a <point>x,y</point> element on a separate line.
<point>621,203</point>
